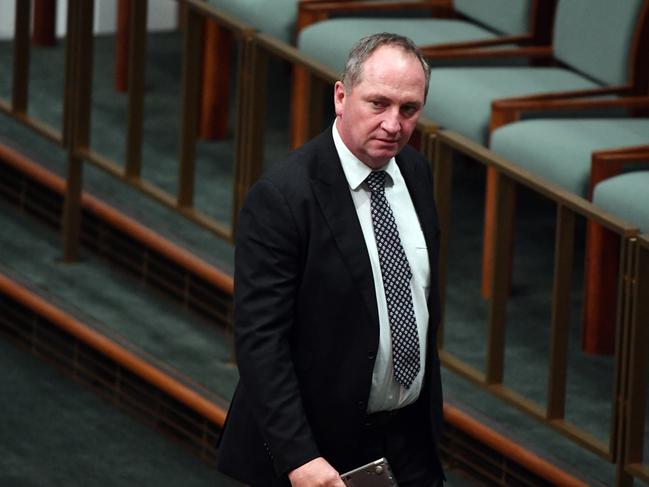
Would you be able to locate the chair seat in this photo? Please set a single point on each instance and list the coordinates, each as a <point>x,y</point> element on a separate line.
<point>560,150</point>
<point>330,41</point>
<point>460,99</point>
<point>626,196</point>
<point>276,17</point>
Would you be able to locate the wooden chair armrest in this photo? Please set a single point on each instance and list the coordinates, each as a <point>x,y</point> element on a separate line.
<point>566,95</point>
<point>532,52</point>
<point>611,162</point>
<point>498,41</point>
<point>512,109</point>
<point>640,152</point>
<point>363,5</point>
<point>311,11</point>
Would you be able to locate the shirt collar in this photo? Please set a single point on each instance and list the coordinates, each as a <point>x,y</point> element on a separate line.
<point>355,170</point>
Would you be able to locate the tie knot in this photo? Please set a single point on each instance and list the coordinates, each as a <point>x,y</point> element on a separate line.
<point>376,181</point>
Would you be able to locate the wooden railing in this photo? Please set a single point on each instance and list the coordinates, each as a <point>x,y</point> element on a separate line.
<point>247,163</point>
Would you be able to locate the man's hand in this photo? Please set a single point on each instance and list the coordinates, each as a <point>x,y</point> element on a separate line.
<point>316,473</point>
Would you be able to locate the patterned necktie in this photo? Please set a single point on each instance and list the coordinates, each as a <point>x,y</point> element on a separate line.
<point>396,274</point>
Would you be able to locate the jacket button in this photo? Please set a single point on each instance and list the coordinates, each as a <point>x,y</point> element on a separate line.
<point>361,405</point>
<point>371,355</point>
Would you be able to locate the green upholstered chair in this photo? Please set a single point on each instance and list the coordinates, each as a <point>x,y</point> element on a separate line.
<point>626,196</point>
<point>476,24</point>
<point>560,149</point>
<point>329,41</point>
<point>594,51</point>
<point>276,18</point>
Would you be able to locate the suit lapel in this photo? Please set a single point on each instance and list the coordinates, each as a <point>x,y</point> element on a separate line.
<point>332,193</point>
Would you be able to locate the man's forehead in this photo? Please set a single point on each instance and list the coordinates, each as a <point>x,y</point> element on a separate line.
<point>388,59</point>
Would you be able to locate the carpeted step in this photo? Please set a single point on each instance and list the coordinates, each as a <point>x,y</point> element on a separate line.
<point>56,432</point>
<point>118,306</point>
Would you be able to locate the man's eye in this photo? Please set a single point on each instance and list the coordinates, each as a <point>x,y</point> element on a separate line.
<point>377,103</point>
<point>408,110</point>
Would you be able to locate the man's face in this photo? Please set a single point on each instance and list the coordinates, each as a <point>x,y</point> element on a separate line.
<point>376,118</point>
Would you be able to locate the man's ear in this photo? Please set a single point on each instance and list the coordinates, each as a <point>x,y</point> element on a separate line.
<point>339,98</point>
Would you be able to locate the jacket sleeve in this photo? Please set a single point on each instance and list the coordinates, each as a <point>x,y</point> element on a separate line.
<point>267,270</point>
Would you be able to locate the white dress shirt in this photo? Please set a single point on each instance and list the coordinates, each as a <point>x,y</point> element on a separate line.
<point>386,393</point>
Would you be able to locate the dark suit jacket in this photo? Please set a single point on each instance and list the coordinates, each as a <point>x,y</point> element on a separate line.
<point>305,317</point>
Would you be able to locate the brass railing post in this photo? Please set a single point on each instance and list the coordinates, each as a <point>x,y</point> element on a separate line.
<point>20,86</point>
<point>249,139</point>
<point>500,279</point>
<point>633,410</point>
<point>560,326</point>
<point>442,181</point>
<point>44,24</point>
<point>80,42</point>
<point>191,82</point>
<point>136,70</point>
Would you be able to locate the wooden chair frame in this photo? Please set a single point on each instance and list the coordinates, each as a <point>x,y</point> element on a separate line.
<point>602,255</point>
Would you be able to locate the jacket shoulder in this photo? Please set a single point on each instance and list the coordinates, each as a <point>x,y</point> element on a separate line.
<point>300,165</point>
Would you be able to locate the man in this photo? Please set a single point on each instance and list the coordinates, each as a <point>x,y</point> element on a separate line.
<point>336,296</point>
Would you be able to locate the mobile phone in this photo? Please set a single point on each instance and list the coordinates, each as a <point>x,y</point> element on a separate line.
<point>374,474</point>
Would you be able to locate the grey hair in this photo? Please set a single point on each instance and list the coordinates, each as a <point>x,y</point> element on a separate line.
<point>364,48</point>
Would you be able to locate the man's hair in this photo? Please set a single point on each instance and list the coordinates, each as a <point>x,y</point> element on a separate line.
<point>367,45</point>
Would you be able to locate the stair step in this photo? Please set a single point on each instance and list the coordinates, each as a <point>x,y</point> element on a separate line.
<point>118,306</point>
<point>56,432</point>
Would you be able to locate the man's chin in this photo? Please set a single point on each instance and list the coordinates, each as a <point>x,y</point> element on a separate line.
<point>384,153</point>
<point>378,160</point>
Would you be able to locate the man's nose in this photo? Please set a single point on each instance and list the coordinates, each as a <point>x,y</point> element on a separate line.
<point>391,121</point>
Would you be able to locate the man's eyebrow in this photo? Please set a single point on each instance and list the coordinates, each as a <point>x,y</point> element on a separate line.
<point>377,96</point>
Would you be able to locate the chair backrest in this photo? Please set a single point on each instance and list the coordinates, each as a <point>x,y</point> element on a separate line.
<point>504,16</point>
<point>274,17</point>
<point>595,37</point>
